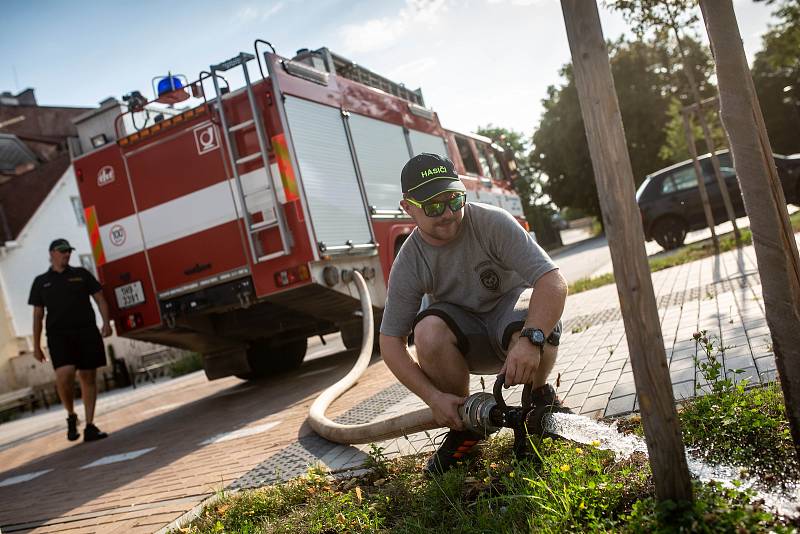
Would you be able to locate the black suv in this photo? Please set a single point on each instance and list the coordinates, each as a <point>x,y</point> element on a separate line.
<point>670,203</point>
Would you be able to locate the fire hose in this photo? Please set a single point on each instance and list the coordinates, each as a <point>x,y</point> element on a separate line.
<point>483,412</point>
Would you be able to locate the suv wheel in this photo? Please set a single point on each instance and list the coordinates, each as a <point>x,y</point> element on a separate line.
<point>669,232</point>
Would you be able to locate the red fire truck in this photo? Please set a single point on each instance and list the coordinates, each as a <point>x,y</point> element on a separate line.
<point>231,226</point>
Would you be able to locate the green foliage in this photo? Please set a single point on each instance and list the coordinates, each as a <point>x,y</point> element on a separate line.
<point>188,364</point>
<point>733,424</point>
<point>585,284</point>
<point>647,79</point>
<point>776,76</point>
<point>535,204</point>
<point>716,509</point>
<point>377,460</point>
<point>676,148</point>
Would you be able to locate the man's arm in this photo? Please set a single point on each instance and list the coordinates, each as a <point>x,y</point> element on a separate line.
<point>544,310</point>
<point>394,351</point>
<point>102,305</point>
<point>38,316</point>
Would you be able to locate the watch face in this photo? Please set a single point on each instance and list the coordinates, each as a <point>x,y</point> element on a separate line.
<point>537,336</point>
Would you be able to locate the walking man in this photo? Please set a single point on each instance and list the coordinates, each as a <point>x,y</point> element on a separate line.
<point>72,336</point>
<point>496,302</point>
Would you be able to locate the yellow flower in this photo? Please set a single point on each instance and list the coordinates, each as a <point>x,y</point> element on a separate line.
<point>565,468</point>
<point>596,443</point>
<point>512,474</point>
<point>578,450</point>
<point>582,506</point>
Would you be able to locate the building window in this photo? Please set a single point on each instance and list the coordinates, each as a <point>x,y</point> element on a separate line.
<point>78,207</point>
<point>470,165</point>
<point>87,262</point>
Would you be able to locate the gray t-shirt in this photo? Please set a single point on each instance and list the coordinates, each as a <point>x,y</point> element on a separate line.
<point>491,255</point>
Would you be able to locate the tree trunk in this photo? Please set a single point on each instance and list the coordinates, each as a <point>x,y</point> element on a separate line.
<point>615,185</point>
<point>723,188</point>
<point>701,181</point>
<point>775,246</point>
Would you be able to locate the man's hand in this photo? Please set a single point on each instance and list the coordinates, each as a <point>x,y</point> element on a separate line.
<point>445,410</point>
<point>106,330</point>
<point>521,363</point>
<point>39,355</point>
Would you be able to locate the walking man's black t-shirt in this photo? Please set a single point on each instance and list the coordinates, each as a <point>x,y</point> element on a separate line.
<point>65,296</point>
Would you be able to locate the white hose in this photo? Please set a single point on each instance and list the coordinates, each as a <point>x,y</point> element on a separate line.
<point>405,424</point>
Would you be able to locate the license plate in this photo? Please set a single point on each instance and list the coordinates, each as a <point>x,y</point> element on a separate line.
<point>129,295</point>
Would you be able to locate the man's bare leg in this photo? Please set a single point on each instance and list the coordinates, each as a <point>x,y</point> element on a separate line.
<point>439,357</point>
<point>88,379</point>
<point>65,382</point>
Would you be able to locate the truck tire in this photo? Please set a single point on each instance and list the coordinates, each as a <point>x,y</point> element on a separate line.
<point>669,232</point>
<point>271,356</point>
<point>352,336</point>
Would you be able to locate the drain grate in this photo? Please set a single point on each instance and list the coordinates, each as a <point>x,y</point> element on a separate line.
<point>293,460</point>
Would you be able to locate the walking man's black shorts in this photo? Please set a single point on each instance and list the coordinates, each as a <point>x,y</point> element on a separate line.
<point>81,347</point>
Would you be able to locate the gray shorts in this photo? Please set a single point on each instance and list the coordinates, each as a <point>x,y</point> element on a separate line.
<point>483,338</point>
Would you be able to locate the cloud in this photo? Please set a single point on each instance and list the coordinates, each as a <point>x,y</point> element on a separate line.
<point>412,70</point>
<point>379,33</point>
<point>252,13</point>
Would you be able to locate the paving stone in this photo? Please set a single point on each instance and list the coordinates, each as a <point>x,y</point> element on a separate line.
<point>620,406</point>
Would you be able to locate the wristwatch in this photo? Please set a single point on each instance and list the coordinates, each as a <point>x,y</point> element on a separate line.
<point>535,335</point>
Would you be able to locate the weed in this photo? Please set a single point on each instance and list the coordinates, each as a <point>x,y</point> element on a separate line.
<point>735,424</point>
<point>377,461</point>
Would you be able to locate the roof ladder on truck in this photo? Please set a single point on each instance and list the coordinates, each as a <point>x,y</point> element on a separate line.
<point>237,160</point>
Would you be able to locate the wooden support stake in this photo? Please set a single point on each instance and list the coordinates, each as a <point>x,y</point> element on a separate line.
<point>615,185</point>
<point>773,238</point>
<point>701,182</point>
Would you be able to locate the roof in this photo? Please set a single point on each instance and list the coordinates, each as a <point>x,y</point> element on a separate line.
<point>21,196</point>
<point>41,132</point>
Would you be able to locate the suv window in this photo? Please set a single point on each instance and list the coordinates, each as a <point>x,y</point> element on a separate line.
<point>470,165</point>
<point>680,180</point>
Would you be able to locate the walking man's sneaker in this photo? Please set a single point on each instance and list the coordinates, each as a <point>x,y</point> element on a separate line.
<point>457,446</point>
<point>72,427</point>
<point>92,433</point>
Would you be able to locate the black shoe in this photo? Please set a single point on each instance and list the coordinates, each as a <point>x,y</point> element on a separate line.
<point>72,427</point>
<point>456,447</point>
<point>546,396</point>
<point>92,433</point>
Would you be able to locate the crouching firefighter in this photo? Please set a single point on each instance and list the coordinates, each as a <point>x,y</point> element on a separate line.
<point>494,302</point>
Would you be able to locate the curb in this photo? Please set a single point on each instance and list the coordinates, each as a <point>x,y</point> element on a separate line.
<point>567,248</point>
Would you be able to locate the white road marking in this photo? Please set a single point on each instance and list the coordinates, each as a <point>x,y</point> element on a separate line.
<point>114,458</point>
<point>22,478</point>
<point>162,408</point>
<point>236,434</point>
<point>316,372</point>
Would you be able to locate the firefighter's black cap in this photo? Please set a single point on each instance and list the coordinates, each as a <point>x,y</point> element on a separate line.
<point>61,245</point>
<point>426,175</point>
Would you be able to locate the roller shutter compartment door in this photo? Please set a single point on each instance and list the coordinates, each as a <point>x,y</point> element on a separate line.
<point>327,172</point>
<point>382,151</point>
<point>424,142</point>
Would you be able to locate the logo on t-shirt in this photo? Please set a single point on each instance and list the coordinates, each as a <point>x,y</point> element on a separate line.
<point>490,279</point>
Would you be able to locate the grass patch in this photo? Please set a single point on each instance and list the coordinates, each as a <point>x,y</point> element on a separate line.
<point>736,424</point>
<point>686,254</point>
<point>567,487</point>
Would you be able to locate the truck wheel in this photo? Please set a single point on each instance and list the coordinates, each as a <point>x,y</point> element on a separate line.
<point>669,232</point>
<point>351,334</point>
<point>270,356</point>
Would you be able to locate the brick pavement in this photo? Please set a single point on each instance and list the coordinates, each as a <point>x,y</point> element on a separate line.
<point>722,295</point>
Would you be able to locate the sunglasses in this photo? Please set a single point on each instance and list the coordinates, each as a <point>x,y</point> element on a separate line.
<point>436,208</point>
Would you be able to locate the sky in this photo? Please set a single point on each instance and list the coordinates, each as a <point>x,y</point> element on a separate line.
<point>476,61</point>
